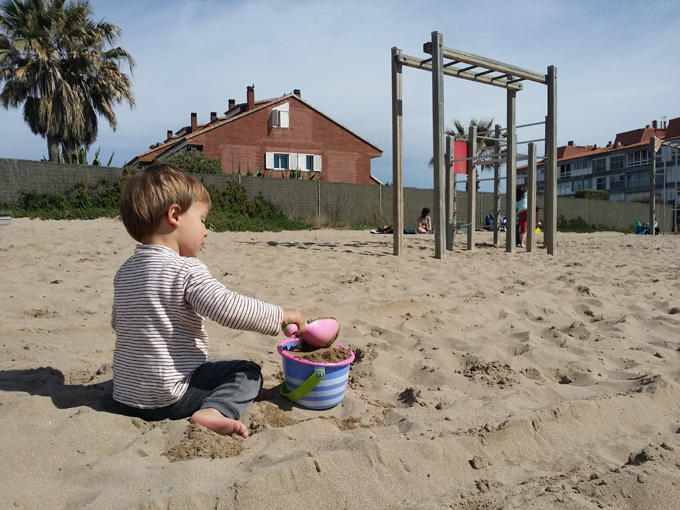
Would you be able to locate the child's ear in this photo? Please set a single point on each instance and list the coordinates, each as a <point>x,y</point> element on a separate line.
<point>173,215</point>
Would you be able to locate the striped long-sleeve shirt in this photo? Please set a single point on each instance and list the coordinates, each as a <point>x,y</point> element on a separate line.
<point>160,304</point>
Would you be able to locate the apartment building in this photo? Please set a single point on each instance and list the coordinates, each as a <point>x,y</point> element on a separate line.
<point>622,167</point>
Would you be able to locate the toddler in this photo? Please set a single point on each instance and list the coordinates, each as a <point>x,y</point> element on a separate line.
<point>162,296</point>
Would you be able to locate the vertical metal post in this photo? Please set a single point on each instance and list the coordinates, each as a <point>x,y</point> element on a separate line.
<point>397,156</point>
<point>531,198</point>
<point>438,142</point>
<point>496,184</point>
<point>511,178</point>
<point>472,187</point>
<point>550,213</point>
<point>450,227</point>
<point>652,184</point>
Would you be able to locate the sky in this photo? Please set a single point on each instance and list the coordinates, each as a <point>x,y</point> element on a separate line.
<point>616,66</point>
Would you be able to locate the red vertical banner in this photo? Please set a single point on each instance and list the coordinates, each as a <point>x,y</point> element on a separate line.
<point>460,152</point>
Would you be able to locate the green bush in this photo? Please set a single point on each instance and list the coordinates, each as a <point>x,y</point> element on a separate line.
<point>578,225</point>
<point>231,208</point>
<point>593,194</point>
<point>194,162</point>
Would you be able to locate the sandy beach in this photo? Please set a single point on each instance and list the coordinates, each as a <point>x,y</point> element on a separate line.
<point>486,380</point>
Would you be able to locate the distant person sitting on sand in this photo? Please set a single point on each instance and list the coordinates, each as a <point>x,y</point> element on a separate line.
<point>425,222</point>
<point>162,296</point>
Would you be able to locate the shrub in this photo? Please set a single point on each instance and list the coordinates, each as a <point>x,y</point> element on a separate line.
<point>578,225</point>
<point>194,162</point>
<point>231,208</point>
<point>593,194</point>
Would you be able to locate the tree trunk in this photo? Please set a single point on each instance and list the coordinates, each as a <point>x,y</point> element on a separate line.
<point>53,148</point>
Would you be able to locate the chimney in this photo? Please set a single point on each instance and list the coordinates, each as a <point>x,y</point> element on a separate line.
<point>297,93</point>
<point>213,116</point>
<point>232,103</point>
<point>655,124</point>
<point>570,143</point>
<point>169,135</point>
<point>618,145</point>
<point>250,92</point>
<point>194,123</point>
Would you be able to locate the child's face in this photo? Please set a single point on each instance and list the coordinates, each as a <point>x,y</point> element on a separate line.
<point>191,231</point>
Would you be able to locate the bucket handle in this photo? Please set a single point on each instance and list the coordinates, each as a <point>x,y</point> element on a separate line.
<point>307,386</point>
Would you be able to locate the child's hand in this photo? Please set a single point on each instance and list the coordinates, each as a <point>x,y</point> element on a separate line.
<point>293,316</point>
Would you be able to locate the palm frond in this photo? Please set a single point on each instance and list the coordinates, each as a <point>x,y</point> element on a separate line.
<point>63,66</point>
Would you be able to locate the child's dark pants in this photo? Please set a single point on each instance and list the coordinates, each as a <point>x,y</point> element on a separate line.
<point>229,386</point>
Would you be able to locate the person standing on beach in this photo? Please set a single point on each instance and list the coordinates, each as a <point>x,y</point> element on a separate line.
<point>162,296</point>
<point>522,201</point>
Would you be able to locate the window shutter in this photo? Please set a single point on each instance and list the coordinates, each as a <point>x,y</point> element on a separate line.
<point>283,119</point>
<point>269,160</point>
<point>292,161</point>
<point>317,163</point>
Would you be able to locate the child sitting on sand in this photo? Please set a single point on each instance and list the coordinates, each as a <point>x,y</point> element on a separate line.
<point>162,296</point>
<point>425,222</point>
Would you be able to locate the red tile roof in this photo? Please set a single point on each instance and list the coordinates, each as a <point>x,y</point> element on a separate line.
<point>673,130</point>
<point>637,136</point>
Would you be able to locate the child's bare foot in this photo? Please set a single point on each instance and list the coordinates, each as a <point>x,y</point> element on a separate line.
<point>214,420</point>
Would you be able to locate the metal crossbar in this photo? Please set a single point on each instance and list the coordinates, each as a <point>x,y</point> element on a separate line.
<point>532,141</point>
<point>526,125</point>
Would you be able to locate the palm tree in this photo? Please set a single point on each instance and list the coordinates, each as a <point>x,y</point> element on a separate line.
<point>53,59</point>
<point>485,147</point>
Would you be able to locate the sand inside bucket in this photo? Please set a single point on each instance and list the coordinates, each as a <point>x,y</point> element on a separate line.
<point>332,354</point>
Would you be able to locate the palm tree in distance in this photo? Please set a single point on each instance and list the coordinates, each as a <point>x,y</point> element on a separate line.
<point>485,148</point>
<point>54,59</point>
<point>485,129</point>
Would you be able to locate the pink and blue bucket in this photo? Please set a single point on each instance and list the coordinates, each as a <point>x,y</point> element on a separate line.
<point>313,385</point>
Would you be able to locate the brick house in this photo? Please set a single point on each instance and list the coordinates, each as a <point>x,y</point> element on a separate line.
<point>280,135</point>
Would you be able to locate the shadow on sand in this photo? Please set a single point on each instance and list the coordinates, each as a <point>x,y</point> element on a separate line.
<point>50,382</point>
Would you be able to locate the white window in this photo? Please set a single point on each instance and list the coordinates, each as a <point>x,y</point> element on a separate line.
<point>280,117</point>
<point>600,165</point>
<point>637,158</point>
<point>310,162</point>
<point>292,161</point>
<point>276,161</point>
<point>564,188</point>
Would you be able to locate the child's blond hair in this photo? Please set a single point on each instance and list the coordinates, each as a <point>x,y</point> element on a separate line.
<point>148,195</point>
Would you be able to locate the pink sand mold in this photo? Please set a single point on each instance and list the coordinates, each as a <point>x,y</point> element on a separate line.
<point>319,333</point>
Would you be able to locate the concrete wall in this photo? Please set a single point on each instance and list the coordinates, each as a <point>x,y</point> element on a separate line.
<point>344,204</point>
